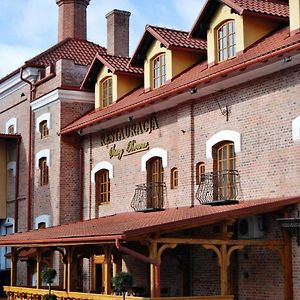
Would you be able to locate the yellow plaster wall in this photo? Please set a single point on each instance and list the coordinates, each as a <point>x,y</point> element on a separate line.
<point>294,7</point>
<point>126,84</point>
<point>222,14</point>
<point>182,60</point>
<point>152,52</point>
<point>3,181</point>
<point>255,29</point>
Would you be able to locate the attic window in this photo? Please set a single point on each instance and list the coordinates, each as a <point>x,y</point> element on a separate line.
<point>106,92</point>
<point>159,70</point>
<point>226,41</point>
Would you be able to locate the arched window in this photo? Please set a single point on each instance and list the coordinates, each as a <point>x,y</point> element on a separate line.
<point>41,225</point>
<point>200,172</point>
<point>44,171</point>
<point>174,178</point>
<point>224,168</point>
<point>159,70</point>
<point>106,92</point>
<point>155,183</point>
<point>226,40</point>
<point>44,130</point>
<point>102,182</point>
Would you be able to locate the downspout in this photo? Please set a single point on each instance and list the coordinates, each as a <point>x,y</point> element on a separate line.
<point>192,156</point>
<point>79,147</point>
<point>17,186</point>
<point>29,166</point>
<point>143,258</point>
<point>91,166</point>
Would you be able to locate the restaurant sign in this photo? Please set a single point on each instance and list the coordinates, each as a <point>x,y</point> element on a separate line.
<point>132,148</point>
<point>129,131</point>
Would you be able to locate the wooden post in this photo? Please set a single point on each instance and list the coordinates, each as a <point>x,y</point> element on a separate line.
<point>13,267</point>
<point>65,276</point>
<point>154,272</point>
<point>69,261</point>
<point>38,271</point>
<point>224,270</point>
<point>287,266</point>
<point>107,270</point>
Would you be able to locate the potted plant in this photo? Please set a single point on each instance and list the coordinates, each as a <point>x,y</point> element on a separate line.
<point>122,282</point>
<point>48,276</point>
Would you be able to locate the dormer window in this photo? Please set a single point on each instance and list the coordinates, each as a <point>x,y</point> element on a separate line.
<point>159,70</point>
<point>226,41</point>
<point>106,92</point>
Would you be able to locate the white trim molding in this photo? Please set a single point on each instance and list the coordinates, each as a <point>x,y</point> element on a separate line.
<point>42,219</point>
<point>41,118</point>
<point>40,154</point>
<point>12,166</point>
<point>296,130</point>
<point>224,135</point>
<point>155,152</point>
<point>100,166</point>
<point>12,121</point>
<point>63,96</point>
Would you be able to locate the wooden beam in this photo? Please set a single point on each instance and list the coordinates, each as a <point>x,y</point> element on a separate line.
<point>107,268</point>
<point>192,241</point>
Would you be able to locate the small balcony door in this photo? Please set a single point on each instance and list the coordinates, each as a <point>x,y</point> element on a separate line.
<point>155,179</point>
<point>225,166</point>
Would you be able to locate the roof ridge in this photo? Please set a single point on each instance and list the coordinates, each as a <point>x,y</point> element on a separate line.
<point>166,28</point>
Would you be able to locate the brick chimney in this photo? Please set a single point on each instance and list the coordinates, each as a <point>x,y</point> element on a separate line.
<point>72,19</point>
<point>294,12</point>
<point>118,32</point>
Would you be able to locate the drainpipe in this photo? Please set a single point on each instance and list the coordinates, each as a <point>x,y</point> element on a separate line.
<point>29,166</point>
<point>192,156</point>
<point>17,186</point>
<point>145,259</point>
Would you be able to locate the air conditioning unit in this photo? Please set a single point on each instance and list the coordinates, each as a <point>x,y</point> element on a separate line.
<point>251,228</point>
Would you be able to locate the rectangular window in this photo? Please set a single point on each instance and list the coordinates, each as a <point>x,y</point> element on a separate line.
<point>44,129</point>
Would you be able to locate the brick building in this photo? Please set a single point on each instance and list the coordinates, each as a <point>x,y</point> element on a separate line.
<point>179,164</point>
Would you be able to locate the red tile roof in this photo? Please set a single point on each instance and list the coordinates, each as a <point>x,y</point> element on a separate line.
<point>81,51</point>
<point>170,38</point>
<point>271,46</point>
<point>116,64</point>
<point>264,8</point>
<point>131,225</point>
<point>119,64</point>
<point>176,38</point>
<point>268,7</point>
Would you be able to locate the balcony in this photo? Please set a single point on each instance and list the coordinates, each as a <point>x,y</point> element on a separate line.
<point>219,188</point>
<point>149,197</point>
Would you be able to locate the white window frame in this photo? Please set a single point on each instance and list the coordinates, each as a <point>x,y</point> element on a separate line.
<point>8,222</point>
<point>223,135</point>
<point>43,219</point>
<point>12,121</point>
<point>296,130</point>
<point>40,154</point>
<point>155,152</point>
<point>40,119</point>
<point>100,166</point>
<point>12,166</point>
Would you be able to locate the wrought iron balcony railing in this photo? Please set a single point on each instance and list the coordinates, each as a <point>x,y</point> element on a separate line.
<point>218,188</point>
<point>149,196</point>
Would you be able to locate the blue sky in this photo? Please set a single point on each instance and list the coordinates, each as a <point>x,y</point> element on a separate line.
<point>28,27</point>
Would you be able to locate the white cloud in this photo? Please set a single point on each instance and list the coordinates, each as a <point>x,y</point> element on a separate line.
<point>13,57</point>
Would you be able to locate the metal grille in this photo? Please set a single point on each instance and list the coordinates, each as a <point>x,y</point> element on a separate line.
<point>219,186</point>
<point>151,196</point>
